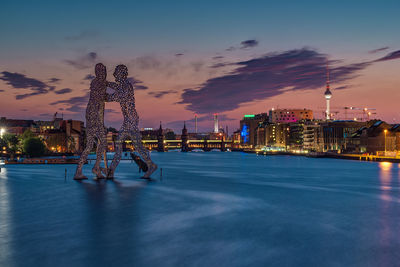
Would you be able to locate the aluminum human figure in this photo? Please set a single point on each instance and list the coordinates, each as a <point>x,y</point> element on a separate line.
<point>124,94</point>
<point>95,130</point>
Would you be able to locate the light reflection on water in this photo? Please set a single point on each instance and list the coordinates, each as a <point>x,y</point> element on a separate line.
<point>228,209</point>
<point>5,222</point>
<point>385,175</point>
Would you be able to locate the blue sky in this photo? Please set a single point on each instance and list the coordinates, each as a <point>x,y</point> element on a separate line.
<point>202,26</point>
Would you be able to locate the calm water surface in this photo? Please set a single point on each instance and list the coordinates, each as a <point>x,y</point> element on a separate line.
<point>210,209</point>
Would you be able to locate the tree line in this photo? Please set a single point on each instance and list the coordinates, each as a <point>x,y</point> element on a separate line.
<point>27,144</point>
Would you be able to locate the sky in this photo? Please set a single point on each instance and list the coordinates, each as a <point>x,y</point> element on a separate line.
<point>200,57</point>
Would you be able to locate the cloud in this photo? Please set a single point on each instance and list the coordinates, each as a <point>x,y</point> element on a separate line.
<point>219,65</point>
<point>83,35</point>
<point>20,81</point>
<point>63,91</point>
<point>342,87</point>
<point>179,54</point>
<point>244,45</point>
<point>390,56</point>
<point>83,62</point>
<point>264,77</point>
<point>160,94</point>
<point>76,104</point>
<point>217,57</point>
<point>378,50</point>
<point>249,44</point>
<point>23,96</point>
<point>137,84</point>
<point>89,77</point>
<point>108,110</point>
<point>54,80</point>
<point>1,90</point>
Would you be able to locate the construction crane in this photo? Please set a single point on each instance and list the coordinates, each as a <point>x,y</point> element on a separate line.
<point>334,111</point>
<point>366,112</point>
<point>353,113</point>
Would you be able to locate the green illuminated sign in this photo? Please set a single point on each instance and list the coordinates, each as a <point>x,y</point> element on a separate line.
<point>249,116</point>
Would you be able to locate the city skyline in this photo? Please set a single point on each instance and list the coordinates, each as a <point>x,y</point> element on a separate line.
<point>229,58</point>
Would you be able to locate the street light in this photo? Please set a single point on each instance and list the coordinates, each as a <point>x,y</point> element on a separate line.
<point>385,131</point>
<point>2,131</point>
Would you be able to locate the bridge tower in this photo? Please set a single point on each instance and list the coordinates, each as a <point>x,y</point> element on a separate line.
<point>160,139</point>
<point>185,139</point>
<point>223,146</point>
<point>205,144</point>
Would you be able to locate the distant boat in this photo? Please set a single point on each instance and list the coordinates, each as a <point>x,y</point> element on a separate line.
<point>197,150</point>
<point>215,150</point>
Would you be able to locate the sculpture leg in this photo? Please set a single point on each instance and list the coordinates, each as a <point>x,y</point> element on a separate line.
<point>101,148</point>
<point>83,158</point>
<point>143,152</point>
<point>118,154</point>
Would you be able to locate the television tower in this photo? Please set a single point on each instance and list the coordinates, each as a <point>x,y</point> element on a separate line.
<point>216,130</point>
<point>328,95</point>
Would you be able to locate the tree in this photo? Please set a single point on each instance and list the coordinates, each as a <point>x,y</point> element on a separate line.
<point>11,141</point>
<point>2,144</point>
<point>27,134</point>
<point>34,147</point>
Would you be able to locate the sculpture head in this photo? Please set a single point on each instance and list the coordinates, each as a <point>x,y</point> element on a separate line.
<point>121,73</point>
<point>100,71</point>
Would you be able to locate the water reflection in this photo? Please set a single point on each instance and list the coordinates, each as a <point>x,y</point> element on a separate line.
<point>244,211</point>
<point>5,219</point>
<point>385,177</point>
<point>3,173</point>
<point>385,169</point>
<point>112,221</point>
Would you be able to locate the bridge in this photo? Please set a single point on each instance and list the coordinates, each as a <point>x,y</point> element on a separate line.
<point>187,145</point>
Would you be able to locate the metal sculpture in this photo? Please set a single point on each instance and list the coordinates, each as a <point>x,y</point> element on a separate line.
<point>124,94</point>
<point>95,130</point>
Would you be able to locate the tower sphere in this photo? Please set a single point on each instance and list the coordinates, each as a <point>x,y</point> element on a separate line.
<point>328,94</point>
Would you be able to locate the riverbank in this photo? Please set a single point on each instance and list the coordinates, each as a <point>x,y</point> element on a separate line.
<point>328,155</point>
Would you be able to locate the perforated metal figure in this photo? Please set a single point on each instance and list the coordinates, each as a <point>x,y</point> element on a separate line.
<point>95,130</point>
<point>124,94</point>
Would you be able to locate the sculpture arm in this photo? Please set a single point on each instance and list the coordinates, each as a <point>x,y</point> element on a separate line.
<point>112,97</point>
<point>112,85</point>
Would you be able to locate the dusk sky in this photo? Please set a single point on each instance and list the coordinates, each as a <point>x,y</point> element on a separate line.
<point>186,57</point>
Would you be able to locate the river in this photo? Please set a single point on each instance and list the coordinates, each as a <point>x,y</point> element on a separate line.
<point>207,209</point>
